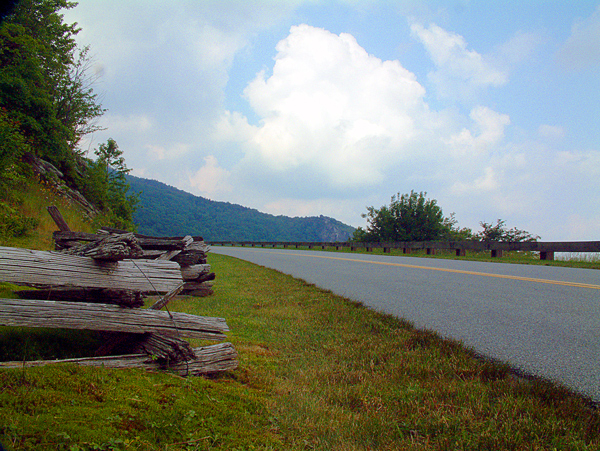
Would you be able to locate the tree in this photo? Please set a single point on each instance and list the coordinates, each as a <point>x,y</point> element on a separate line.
<point>454,232</point>
<point>77,105</point>
<point>6,7</point>
<point>499,232</point>
<point>409,217</point>
<point>107,187</point>
<point>12,144</point>
<point>43,86</point>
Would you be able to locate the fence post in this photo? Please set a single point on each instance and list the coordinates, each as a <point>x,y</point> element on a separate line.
<point>547,255</point>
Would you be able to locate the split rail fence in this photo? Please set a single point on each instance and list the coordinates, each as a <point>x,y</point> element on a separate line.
<point>99,282</point>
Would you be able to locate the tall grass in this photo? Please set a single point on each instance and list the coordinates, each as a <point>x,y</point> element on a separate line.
<point>31,198</point>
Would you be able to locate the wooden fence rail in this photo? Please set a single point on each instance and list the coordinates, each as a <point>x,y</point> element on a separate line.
<point>104,317</point>
<point>207,360</point>
<point>41,269</point>
<point>545,248</point>
<point>97,281</point>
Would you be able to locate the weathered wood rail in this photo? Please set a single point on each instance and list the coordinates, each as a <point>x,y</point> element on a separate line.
<point>109,318</point>
<point>93,271</point>
<point>546,249</point>
<point>48,268</point>
<point>207,359</point>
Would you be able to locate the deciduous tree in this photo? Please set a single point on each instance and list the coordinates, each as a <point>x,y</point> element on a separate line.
<point>499,232</point>
<point>43,86</point>
<point>409,217</point>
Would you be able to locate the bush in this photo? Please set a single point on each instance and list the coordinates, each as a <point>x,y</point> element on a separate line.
<point>13,224</point>
<point>499,232</point>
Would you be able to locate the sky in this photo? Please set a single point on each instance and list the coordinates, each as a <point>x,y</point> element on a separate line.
<point>307,108</point>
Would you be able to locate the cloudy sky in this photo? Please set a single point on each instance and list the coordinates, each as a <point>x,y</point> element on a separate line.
<point>312,107</point>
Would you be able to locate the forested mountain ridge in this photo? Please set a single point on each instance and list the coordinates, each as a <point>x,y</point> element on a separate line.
<point>167,211</point>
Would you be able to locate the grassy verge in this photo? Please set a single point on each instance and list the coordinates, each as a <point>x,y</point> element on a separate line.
<point>316,372</point>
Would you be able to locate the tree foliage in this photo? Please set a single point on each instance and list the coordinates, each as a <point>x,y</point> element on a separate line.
<point>12,142</point>
<point>43,87</point>
<point>107,187</point>
<point>499,232</point>
<point>413,217</point>
<point>47,104</point>
<point>409,217</point>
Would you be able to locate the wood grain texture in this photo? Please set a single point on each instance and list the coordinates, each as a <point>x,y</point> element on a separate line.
<point>103,317</point>
<point>45,269</point>
<point>207,360</point>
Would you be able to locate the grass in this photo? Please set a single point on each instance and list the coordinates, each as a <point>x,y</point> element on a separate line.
<point>317,371</point>
<point>32,198</point>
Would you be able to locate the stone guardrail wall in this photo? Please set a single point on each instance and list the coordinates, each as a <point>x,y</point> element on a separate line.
<point>546,249</point>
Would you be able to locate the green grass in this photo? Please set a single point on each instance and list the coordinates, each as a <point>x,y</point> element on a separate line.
<point>31,198</point>
<point>317,371</point>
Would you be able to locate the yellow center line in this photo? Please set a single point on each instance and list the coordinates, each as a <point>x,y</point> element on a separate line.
<point>457,271</point>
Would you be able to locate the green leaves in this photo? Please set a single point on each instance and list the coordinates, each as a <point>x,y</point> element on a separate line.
<point>43,83</point>
<point>499,232</point>
<point>412,217</point>
<point>409,217</point>
<point>106,185</point>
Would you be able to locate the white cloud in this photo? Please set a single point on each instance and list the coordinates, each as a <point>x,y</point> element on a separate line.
<point>517,49</point>
<point>174,151</point>
<point>459,70</point>
<point>335,128</point>
<point>579,225</point>
<point>488,181</point>
<point>584,164</point>
<point>211,179</point>
<point>232,127</point>
<point>582,48</point>
<point>490,127</point>
<point>332,108</point>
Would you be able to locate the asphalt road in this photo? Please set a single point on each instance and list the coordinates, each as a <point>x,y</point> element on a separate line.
<point>540,319</point>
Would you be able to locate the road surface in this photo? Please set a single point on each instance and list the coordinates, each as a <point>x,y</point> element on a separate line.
<point>543,320</point>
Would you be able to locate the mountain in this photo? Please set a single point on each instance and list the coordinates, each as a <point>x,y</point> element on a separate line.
<point>168,211</point>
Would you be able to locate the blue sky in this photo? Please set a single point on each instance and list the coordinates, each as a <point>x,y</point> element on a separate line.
<point>315,107</point>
